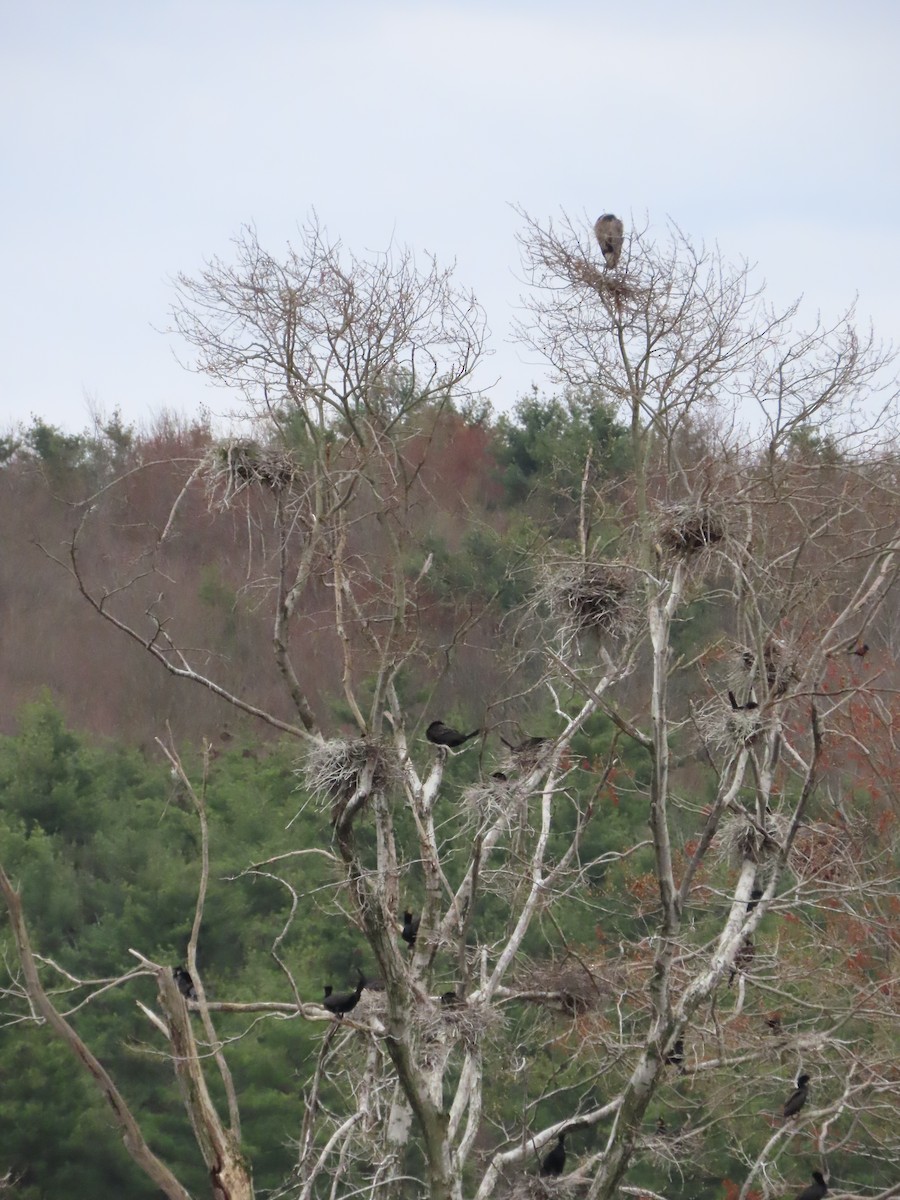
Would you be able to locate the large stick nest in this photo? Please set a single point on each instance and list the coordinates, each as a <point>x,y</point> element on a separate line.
<point>586,597</point>
<point>724,729</point>
<point>780,666</point>
<point>335,770</point>
<point>568,987</point>
<point>233,466</point>
<point>741,837</point>
<point>687,529</point>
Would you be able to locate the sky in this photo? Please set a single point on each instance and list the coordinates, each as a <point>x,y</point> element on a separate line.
<point>136,139</point>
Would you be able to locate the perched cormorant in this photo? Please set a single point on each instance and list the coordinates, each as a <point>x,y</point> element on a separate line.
<point>755,896</point>
<point>410,930</point>
<point>554,1162</point>
<point>816,1190</point>
<point>185,983</point>
<point>445,735</point>
<point>748,707</point>
<point>529,745</point>
<point>797,1099</point>
<point>343,1002</point>
<point>675,1057</point>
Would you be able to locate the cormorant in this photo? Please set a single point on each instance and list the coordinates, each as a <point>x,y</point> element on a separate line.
<point>748,707</point>
<point>554,1162</point>
<point>861,651</point>
<point>755,896</point>
<point>816,1190</point>
<point>675,1057</point>
<point>610,233</point>
<point>440,734</point>
<point>343,1002</point>
<point>410,930</point>
<point>185,983</point>
<point>797,1099</point>
<point>530,744</point>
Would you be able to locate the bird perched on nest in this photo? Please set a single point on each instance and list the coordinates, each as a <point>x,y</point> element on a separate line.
<point>410,930</point>
<point>554,1162</point>
<point>440,734</point>
<point>185,983</point>
<point>343,1002</point>
<point>735,707</point>
<point>610,233</point>
<point>797,1098</point>
<point>816,1190</point>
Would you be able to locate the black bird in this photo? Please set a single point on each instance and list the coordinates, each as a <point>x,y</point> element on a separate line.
<point>450,1000</point>
<point>797,1099</point>
<point>748,707</point>
<point>499,777</point>
<point>185,983</point>
<point>554,1162</point>
<point>343,1002</point>
<point>675,1057</point>
<point>755,896</point>
<point>410,930</point>
<point>662,1128</point>
<point>610,233</point>
<point>816,1190</point>
<point>440,734</point>
<point>861,651</point>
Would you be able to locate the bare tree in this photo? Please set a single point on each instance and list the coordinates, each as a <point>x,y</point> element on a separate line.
<point>734,753</point>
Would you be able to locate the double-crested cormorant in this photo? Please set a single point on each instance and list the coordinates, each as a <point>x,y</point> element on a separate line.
<point>410,930</point>
<point>610,233</point>
<point>816,1190</point>
<point>528,746</point>
<point>185,983</point>
<point>343,1002</point>
<point>755,896</point>
<point>554,1162</point>
<point>675,1057</point>
<point>797,1098</point>
<point>445,735</point>
<point>748,707</point>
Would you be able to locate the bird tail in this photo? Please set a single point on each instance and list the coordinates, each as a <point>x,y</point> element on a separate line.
<point>474,733</point>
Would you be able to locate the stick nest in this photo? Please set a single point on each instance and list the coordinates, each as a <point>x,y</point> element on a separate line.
<point>780,663</point>
<point>687,529</point>
<point>233,466</point>
<point>336,770</point>
<point>586,597</point>
<point>566,987</point>
<point>739,838</point>
<point>723,729</point>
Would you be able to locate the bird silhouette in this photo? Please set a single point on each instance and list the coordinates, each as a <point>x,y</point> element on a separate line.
<point>529,745</point>
<point>185,983</point>
<point>861,651</point>
<point>410,930</point>
<point>675,1057</point>
<point>755,896</point>
<point>343,1002</point>
<point>748,707</point>
<point>797,1099</point>
<point>816,1190</point>
<point>554,1162</point>
<point>445,735</point>
<point>610,232</point>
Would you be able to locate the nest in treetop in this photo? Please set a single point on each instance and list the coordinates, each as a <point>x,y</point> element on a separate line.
<point>740,838</point>
<point>567,987</point>
<point>585,596</point>
<point>233,466</point>
<point>728,730</point>
<point>469,1021</point>
<point>687,529</point>
<point>333,771</point>
<point>822,853</point>
<point>779,666</point>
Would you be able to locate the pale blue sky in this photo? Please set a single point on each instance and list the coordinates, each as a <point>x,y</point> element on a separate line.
<point>136,139</point>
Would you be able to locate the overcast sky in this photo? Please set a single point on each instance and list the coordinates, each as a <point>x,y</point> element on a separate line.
<point>137,138</point>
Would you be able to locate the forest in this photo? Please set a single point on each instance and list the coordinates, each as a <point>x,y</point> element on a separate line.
<point>405,797</point>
